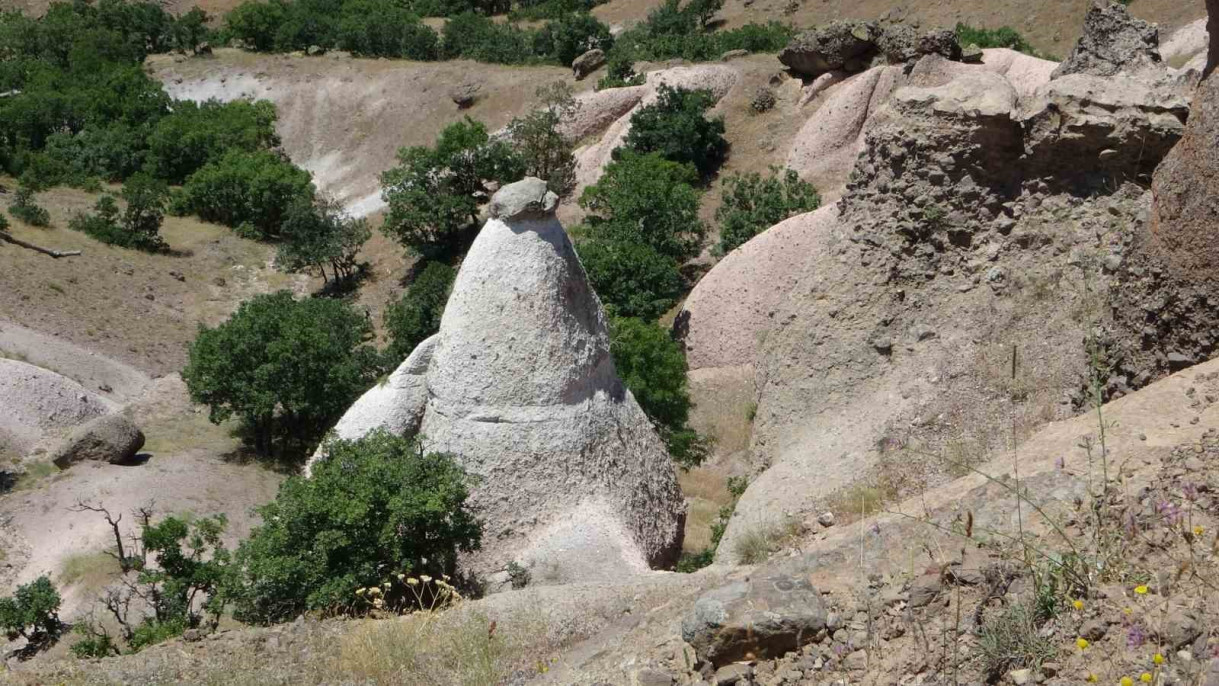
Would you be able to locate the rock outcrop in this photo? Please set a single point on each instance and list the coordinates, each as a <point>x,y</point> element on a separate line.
<point>853,46</point>
<point>1166,310</point>
<point>572,479</point>
<point>761,617</point>
<point>110,438</point>
<point>587,63</point>
<point>1113,42</point>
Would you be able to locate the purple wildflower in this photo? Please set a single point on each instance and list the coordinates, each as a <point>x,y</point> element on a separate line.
<point>1191,491</point>
<point>1135,636</point>
<point>1170,512</point>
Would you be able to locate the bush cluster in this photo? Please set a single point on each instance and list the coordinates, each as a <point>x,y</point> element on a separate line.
<point>32,612</point>
<point>384,28</point>
<point>753,203</point>
<point>1002,37</point>
<point>317,234</point>
<point>673,31</point>
<point>81,108</point>
<point>139,224</point>
<point>372,508</point>
<point>26,209</point>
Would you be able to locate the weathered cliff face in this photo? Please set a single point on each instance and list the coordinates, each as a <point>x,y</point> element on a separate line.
<point>572,481</point>
<point>979,217</point>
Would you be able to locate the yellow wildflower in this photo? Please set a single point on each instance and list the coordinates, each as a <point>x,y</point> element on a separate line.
<point>401,577</point>
<point>1158,659</point>
<point>1082,643</point>
<point>425,578</point>
<point>1078,604</point>
<point>1091,678</point>
<point>1127,610</point>
<point>412,581</point>
<point>1141,589</point>
<point>1126,681</point>
<point>1145,677</point>
<point>1199,530</point>
<point>361,591</point>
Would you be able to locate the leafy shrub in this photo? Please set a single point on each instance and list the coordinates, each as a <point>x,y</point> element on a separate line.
<point>672,31</point>
<point>416,315</point>
<point>544,151</point>
<point>145,198</point>
<point>373,507</point>
<point>317,234</point>
<point>195,134</point>
<point>619,72</point>
<point>569,36</point>
<point>434,193</point>
<point>652,365</point>
<point>26,209</point>
<point>1002,37</point>
<point>753,204</point>
<point>287,368</point>
<point>675,126</point>
<point>180,569</point>
<point>382,28</point>
<point>103,225</point>
<point>32,612</point>
<point>251,191</point>
<point>644,198</point>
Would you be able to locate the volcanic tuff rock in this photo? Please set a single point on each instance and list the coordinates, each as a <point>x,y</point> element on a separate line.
<point>1112,42</point>
<point>110,438</point>
<point>39,404</point>
<point>572,480</point>
<point>853,46</point>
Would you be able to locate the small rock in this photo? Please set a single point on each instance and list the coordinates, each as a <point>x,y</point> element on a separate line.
<point>653,677</point>
<point>826,519</point>
<point>219,281</point>
<point>1093,630</point>
<point>191,635</point>
<point>177,275</point>
<point>1181,628</point>
<point>856,661</point>
<point>111,438</point>
<point>464,95</point>
<point>587,63</point>
<point>733,54</point>
<point>1020,677</point>
<point>728,675</point>
<point>762,617</point>
<point>971,54</point>
<point>924,590</point>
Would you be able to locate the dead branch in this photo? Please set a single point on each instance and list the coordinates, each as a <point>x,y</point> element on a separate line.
<point>37,248</point>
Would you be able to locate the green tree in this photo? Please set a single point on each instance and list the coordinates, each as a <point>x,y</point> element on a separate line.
<point>704,10</point>
<point>652,365</point>
<point>383,28</point>
<point>145,198</point>
<point>318,234</point>
<point>190,30</point>
<point>196,134</point>
<point>256,23</point>
<point>644,198</point>
<point>675,126</point>
<point>287,368</point>
<point>250,191</point>
<point>189,565</point>
<point>753,204</point>
<point>417,315</point>
<point>372,508</point>
<point>619,71</point>
<point>32,612</point>
<point>631,279</point>
<point>566,38</point>
<point>434,193</point>
<point>546,153</point>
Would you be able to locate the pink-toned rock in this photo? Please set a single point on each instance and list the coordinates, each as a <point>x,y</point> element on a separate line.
<point>1025,73</point>
<point>729,312</point>
<point>826,146</point>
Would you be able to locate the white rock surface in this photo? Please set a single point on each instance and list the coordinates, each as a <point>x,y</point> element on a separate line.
<point>572,480</point>
<point>37,404</point>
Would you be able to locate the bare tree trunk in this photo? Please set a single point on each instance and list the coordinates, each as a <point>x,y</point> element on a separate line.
<point>31,246</point>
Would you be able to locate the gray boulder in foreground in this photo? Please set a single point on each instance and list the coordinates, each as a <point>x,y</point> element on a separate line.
<point>110,438</point>
<point>762,617</point>
<point>571,480</point>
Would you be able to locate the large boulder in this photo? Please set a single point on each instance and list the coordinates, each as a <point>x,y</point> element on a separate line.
<point>846,45</point>
<point>762,617</point>
<point>587,63</point>
<point>110,438</point>
<point>571,478</point>
<point>1113,42</point>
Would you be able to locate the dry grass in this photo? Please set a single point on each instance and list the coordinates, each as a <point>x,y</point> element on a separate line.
<point>34,473</point>
<point>757,544</point>
<point>706,492</point>
<point>459,647</point>
<point>90,571</point>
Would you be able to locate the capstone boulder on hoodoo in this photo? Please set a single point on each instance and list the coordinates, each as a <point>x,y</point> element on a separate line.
<point>572,480</point>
